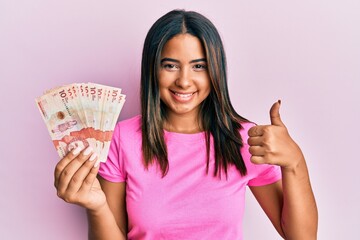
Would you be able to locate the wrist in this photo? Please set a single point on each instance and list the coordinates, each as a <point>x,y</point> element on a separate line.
<point>295,158</point>
<point>103,209</point>
<point>295,168</point>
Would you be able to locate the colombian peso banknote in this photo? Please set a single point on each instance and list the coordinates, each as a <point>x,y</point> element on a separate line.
<point>81,114</point>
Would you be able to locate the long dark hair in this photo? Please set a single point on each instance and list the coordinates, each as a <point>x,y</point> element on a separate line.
<point>217,114</point>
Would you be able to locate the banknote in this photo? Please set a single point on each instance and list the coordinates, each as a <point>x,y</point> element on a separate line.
<point>81,114</point>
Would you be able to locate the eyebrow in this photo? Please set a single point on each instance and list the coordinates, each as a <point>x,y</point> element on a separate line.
<point>177,61</point>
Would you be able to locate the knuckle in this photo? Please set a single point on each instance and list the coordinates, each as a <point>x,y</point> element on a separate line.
<point>60,194</point>
<point>253,159</point>
<point>67,199</point>
<point>88,182</point>
<point>65,173</point>
<point>70,199</point>
<point>266,141</point>
<point>268,150</point>
<point>251,131</point>
<point>58,168</point>
<point>81,158</point>
<point>273,154</point>
<point>269,140</point>
<point>267,129</point>
<point>251,149</point>
<point>75,180</point>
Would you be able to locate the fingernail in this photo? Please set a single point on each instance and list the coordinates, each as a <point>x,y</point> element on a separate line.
<point>77,150</point>
<point>97,164</point>
<point>87,151</point>
<point>93,156</point>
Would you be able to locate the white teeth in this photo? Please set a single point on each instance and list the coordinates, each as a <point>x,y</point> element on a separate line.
<point>183,95</point>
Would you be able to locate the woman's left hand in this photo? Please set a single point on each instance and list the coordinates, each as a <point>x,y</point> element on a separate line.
<point>272,144</point>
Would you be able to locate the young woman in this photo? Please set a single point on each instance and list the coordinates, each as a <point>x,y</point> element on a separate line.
<point>179,171</point>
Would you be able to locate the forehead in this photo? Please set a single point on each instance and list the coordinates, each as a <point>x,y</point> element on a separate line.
<point>185,46</point>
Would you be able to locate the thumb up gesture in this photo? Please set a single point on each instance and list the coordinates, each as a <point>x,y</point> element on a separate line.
<point>272,144</point>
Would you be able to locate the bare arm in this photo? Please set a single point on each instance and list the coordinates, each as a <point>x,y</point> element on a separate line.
<point>290,203</point>
<point>299,212</point>
<point>112,216</point>
<point>102,225</point>
<point>270,198</point>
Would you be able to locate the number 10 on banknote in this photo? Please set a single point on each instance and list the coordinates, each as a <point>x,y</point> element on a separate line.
<point>81,114</point>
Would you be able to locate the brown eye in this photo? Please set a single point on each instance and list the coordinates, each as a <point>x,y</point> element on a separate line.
<point>200,66</point>
<point>170,66</point>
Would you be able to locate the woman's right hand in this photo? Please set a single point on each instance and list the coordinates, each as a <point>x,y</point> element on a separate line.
<point>76,182</point>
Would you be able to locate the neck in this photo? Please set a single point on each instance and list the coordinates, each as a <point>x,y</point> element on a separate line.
<point>182,124</point>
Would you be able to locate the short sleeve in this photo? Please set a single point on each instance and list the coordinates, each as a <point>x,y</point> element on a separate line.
<point>113,169</point>
<point>266,174</point>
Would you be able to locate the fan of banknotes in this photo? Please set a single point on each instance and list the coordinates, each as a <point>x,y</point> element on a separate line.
<point>81,114</point>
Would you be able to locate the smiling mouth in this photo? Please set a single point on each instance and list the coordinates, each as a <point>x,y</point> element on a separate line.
<point>183,95</point>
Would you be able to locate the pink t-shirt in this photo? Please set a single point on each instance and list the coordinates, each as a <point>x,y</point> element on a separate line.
<point>187,203</point>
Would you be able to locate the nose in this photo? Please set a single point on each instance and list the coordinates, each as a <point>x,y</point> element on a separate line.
<point>184,78</point>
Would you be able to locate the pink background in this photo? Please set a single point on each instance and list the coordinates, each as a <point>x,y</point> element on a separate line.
<point>306,53</point>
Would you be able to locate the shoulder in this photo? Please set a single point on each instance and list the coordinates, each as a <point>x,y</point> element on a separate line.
<point>130,123</point>
<point>128,126</point>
